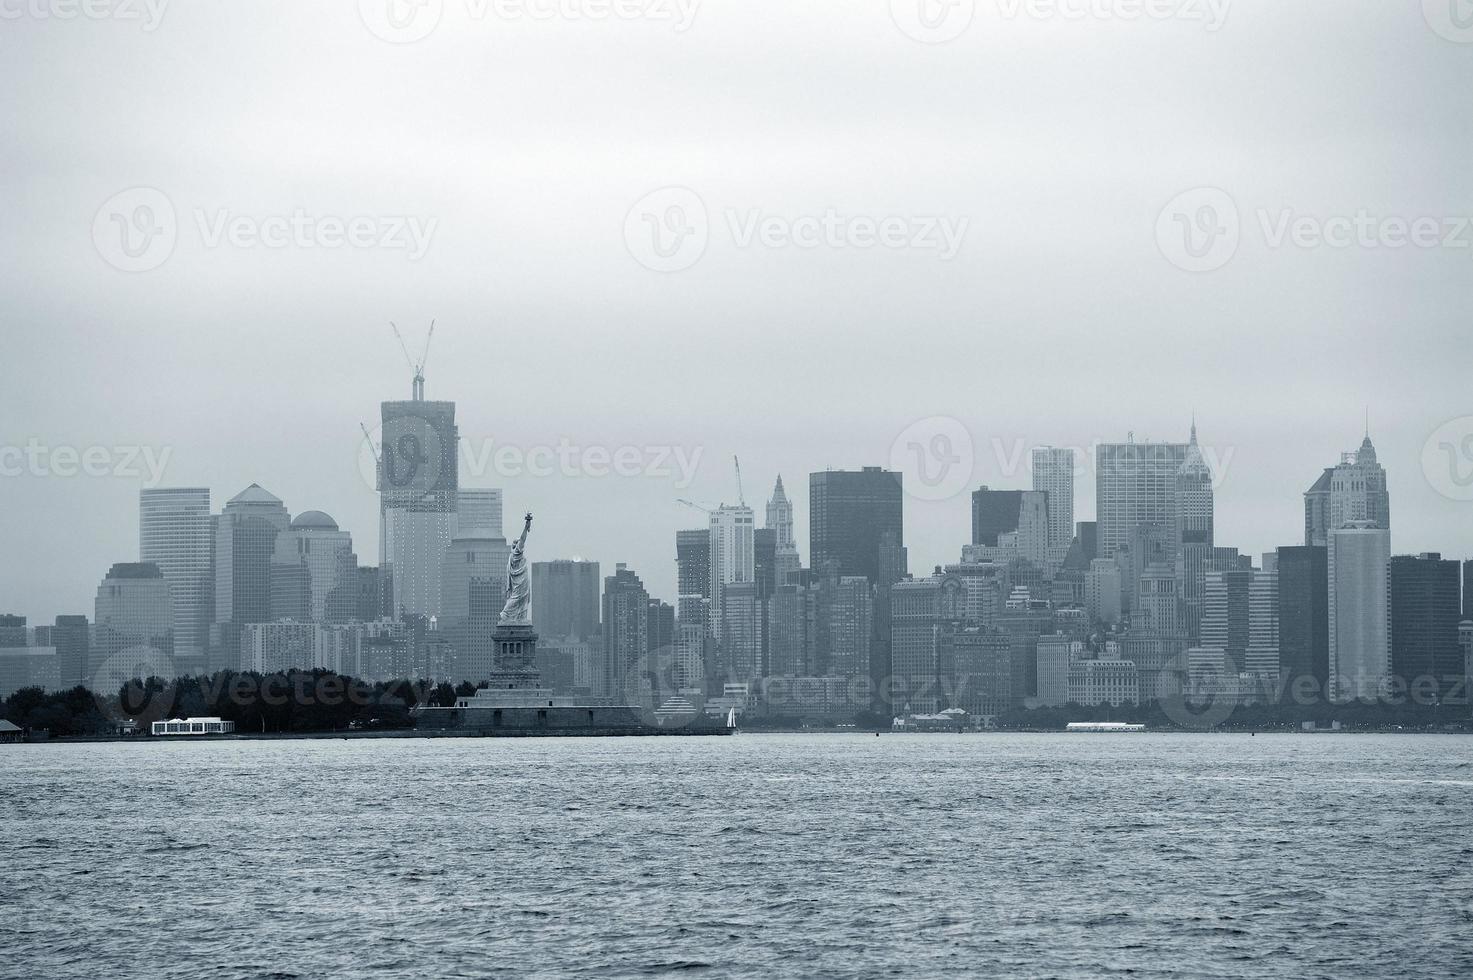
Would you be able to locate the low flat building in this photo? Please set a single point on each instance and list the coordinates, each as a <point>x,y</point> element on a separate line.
<point>193,726</point>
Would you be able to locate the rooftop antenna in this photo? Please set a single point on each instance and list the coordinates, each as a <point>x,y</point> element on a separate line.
<point>417,368</point>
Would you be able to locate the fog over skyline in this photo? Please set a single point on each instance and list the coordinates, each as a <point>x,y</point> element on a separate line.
<point>518,151</point>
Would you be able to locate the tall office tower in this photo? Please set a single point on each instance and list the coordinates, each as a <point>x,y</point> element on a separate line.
<point>13,631</point>
<point>1353,490</point>
<point>1425,612</point>
<point>1465,640</point>
<point>1025,619</point>
<point>788,626</point>
<point>626,611</point>
<point>565,598</point>
<point>1147,545</point>
<point>856,521</point>
<point>764,560</point>
<point>732,557</point>
<point>372,594</point>
<point>1359,612</point>
<point>1015,520</point>
<point>474,577</point>
<point>692,606</point>
<point>313,571</point>
<point>1317,511</point>
<point>418,482</point>
<point>1468,589</point>
<point>743,632</point>
<point>1053,474</point>
<point>780,519</point>
<point>982,672</point>
<point>174,533</point>
<point>1241,618</point>
<point>1135,484</point>
<point>133,619</point>
<point>245,544</point>
<point>915,658</point>
<point>1194,532</point>
<point>1102,591</point>
<point>850,628</point>
<point>1225,615</point>
<point>1158,607</point>
<point>660,628</point>
<point>71,636</point>
<point>1088,533</point>
<point>1304,615</point>
<point>478,513</point>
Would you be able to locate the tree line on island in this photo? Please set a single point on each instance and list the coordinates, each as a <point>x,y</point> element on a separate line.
<point>315,701</point>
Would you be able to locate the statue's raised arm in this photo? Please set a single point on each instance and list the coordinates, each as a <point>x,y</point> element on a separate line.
<point>518,606</point>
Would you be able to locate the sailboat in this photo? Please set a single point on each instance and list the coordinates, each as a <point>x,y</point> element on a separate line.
<point>731,718</point>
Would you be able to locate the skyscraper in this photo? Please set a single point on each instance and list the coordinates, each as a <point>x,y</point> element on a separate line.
<point>478,513</point>
<point>418,483</point>
<point>1195,532</point>
<point>1053,474</point>
<point>780,521</point>
<point>134,620</point>
<point>692,608</point>
<point>850,515</point>
<point>1304,614</point>
<point>732,556</point>
<point>1359,614</point>
<point>174,533</point>
<point>565,598</point>
<point>316,558</point>
<point>1135,485</point>
<point>626,608</point>
<point>1017,520</point>
<point>1353,490</point>
<point>71,636</point>
<point>1425,612</point>
<point>245,544</point>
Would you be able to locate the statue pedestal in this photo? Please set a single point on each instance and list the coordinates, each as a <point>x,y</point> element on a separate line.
<point>516,657</point>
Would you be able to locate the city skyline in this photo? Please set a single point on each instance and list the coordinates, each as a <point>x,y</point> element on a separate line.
<point>927,516</point>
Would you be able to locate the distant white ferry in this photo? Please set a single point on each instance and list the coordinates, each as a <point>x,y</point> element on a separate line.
<point>1102,726</point>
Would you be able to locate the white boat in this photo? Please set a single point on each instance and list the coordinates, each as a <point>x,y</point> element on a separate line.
<point>731,716</point>
<point>1103,726</point>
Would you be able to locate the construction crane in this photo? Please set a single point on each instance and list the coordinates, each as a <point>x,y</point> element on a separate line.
<point>741,497</point>
<point>693,505</point>
<point>417,367</point>
<point>368,438</point>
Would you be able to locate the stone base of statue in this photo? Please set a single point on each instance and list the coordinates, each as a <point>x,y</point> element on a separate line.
<point>516,676</point>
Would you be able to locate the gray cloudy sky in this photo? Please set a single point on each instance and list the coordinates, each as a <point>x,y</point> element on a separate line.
<point>530,154</point>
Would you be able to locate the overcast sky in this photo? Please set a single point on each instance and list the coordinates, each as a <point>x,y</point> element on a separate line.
<point>525,150</point>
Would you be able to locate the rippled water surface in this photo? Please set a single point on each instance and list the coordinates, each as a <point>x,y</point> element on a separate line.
<point>759,855</point>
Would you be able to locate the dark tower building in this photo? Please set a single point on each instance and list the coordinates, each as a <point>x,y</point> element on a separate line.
<point>626,616</point>
<point>1304,613</point>
<point>994,512</point>
<point>764,561</point>
<point>1425,611</point>
<point>72,638</point>
<point>850,513</point>
<point>566,598</point>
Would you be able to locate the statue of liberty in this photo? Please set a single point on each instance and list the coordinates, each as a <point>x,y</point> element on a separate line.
<point>518,582</point>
